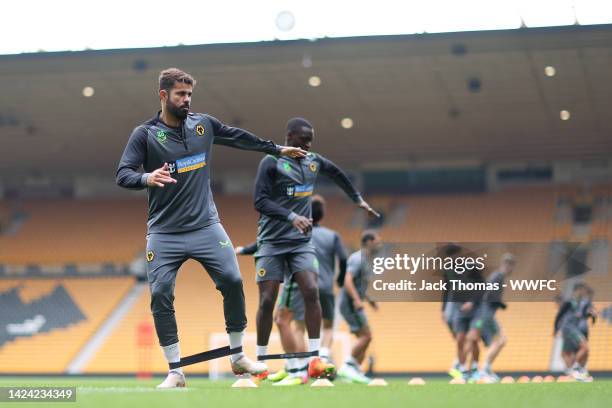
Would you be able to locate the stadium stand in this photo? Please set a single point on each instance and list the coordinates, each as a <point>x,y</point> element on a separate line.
<point>63,313</point>
<point>512,215</point>
<point>505,216</point>
<point>91,231</point>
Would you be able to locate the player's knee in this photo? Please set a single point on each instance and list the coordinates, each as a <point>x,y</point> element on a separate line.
<point>266,303</point>
<point>502,340</point>
<point>161,289</point>
<point>162,296</point>
<point>584,346</point>
<point>310,294</point>
<point>231,283</point>
<point>366,335</point>
<point>282,318</point>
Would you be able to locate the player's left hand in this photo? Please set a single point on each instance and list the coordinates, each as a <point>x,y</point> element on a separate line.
<point>295,152</point>
<point>238,250</point>
<point>370,210</point>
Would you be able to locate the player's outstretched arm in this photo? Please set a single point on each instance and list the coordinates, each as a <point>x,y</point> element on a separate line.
<point>334,172</point>
<point>245,140</point>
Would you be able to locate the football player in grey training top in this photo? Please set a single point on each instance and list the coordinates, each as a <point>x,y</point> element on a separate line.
<point>283,190</point>
<point>352,295</point>
<point>175,150</point>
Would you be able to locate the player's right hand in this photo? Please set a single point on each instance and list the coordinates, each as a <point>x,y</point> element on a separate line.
<point>357,304</point>
<point>160,177</point>
<point>295,152</point>
<point>303,224</point>
<point>363,204</point>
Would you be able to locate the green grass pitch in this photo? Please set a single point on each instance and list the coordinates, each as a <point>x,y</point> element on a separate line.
<point>126,392</point>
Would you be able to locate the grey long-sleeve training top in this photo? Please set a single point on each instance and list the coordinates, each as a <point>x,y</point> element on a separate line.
<point>188,204</point>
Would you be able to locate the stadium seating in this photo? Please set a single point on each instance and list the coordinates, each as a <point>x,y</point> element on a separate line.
<point>77,231</point>
<point>74,307</point>
<point>407,336</point>
<point>492,217</point>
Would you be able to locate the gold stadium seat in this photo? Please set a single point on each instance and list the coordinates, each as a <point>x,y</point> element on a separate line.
<point>51,352</point>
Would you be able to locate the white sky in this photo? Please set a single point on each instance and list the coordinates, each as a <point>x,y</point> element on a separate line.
<point>58,25</point>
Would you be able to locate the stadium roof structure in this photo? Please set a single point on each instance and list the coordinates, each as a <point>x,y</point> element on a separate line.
<point>472,95</point>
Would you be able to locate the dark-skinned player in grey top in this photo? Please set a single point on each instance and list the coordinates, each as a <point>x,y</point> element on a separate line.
<point>290,307</point>
<point>283,191</point>
<point>175,148</point>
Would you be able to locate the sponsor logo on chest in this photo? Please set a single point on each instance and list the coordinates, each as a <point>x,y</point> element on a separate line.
<point>189,163</point>
<point>300,190</point>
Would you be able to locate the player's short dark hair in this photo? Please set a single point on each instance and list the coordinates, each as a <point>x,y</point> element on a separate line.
<point>170,76</point>
<point>367,236</point>
<point>318,208</point>
<point>297,125</point>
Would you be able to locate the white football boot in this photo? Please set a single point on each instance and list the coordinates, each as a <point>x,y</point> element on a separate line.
<point>245,365</point>
<point>173,380</point>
